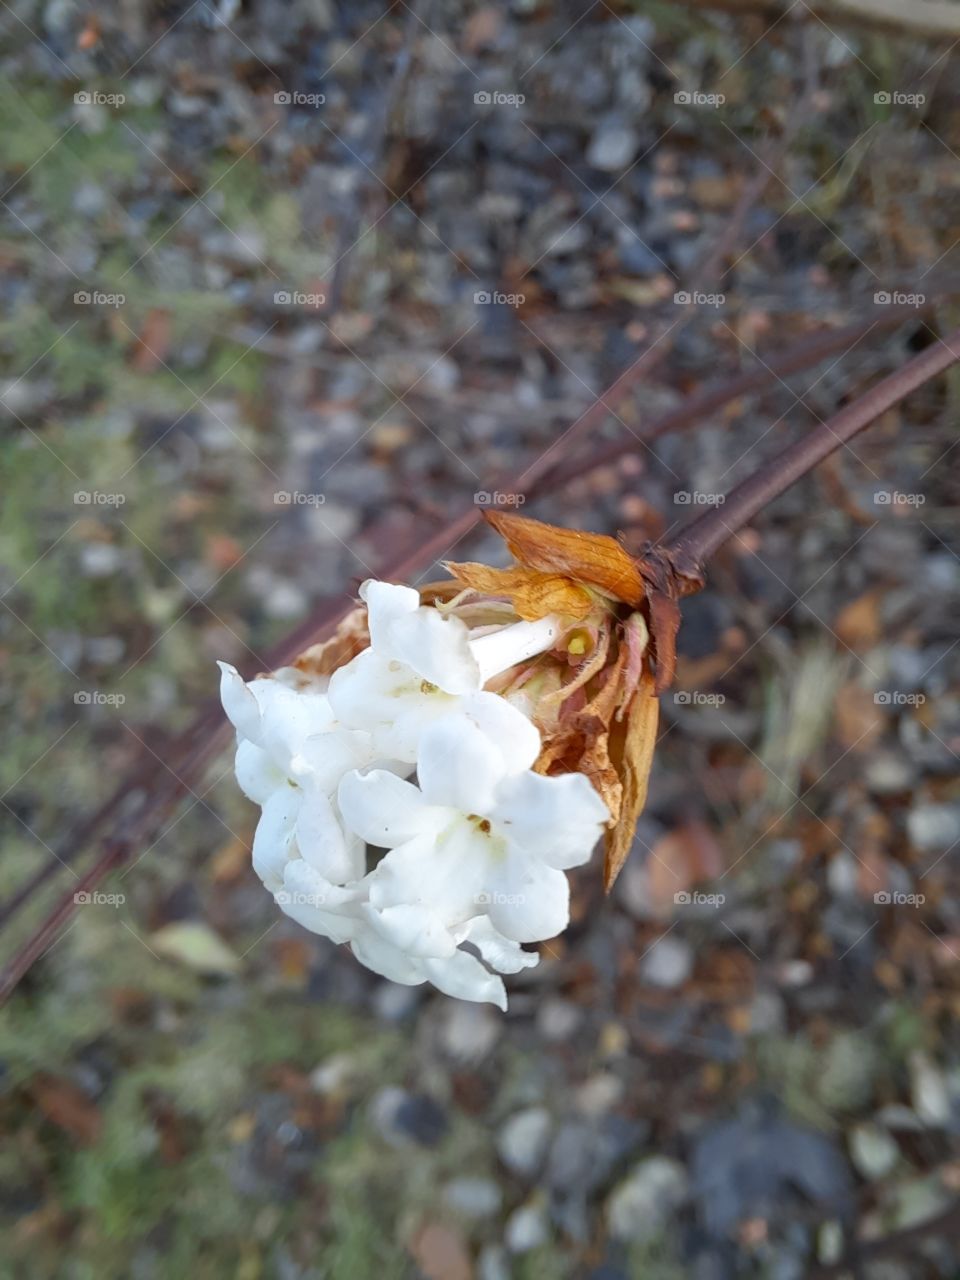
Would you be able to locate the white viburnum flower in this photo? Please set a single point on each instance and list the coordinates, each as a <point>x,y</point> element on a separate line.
<point>291,756</point>
<point>482,834</point>
<point>421,666</point>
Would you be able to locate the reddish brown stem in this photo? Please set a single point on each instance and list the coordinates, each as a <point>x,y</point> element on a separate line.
<point>701,538</point>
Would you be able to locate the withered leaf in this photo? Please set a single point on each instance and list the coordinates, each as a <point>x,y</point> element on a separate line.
<point>533,594</point>
<point>632,741</point>
<point>350,637</point>
<point>590,558</point>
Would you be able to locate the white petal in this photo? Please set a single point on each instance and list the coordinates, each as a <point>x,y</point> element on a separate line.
<point>273,839</point>
<point>324,758</point>
<point>288,718</point>
<point>385,603</point>
<point>500,953</point>
<point>389,700</point>
<point>414,930</point>
<point>390,962</point>
<point>324,845</point>
<point>557,819</point>
<point>258,777</point>
<point>507,646</point>
<point>465,978</point>
<point>382,808</point>
<point>436,648</point>
<point>317,905</point>
<point>458,765</point>
<point>504,723</point>
<point>445,873</point>
<point>241,706</point>
<point>529,901</point>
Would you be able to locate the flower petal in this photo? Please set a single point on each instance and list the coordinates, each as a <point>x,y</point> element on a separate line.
<point>414,930</point>
<point>436,648</point>
<point>385,603</point>
<point>529,901</point>
<point>273,839</point>
<point>389,961</point>
<point>383,809</point>
<point>389,700</point>
<point>288,717</point>
<point>503,722</point>
<point>257,776</point>
<point>324,758</point>
<point>241,706</point>
<point>465,978</point>
<point>324,845</point>
<point>307,897</point>
<point>559,820</point>
<point>500,953</point>
<point>458,765</point>
<point>445,873</point>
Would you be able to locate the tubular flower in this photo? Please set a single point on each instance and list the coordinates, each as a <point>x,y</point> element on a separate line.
<point>484,735</point>
<point>422,665</point>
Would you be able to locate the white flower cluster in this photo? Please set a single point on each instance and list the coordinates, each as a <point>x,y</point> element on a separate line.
<point>476,847</point>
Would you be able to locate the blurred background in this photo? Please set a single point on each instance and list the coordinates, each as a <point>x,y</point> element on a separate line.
<point>288,285</point>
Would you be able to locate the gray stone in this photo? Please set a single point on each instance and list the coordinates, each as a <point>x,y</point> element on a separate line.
<point>888,772</point>
<point>558,1019</point>
<point>522,1140</point>
<point>873,1151</point>
<point>928,1091</point>
<point>668,963</point>
<point>526,1228</point>
<point>473,1197</point>
<point>641,1205</point>
<point>613,145</point>
<point>934,827</point>
<point>469,1031</point>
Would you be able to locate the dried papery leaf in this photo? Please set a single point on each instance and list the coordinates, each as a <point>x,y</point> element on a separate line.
<point>533,594</point>
<point>349,639</point>
<point>590,558</point>
<point>631,750</point>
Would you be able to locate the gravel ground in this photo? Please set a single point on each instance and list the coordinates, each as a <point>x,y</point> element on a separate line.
<point>287,283</point>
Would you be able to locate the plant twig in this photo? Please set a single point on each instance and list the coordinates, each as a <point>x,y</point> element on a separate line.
<point>694,544</point>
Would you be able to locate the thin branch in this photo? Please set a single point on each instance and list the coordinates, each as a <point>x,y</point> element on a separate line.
<point>699,540</point>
